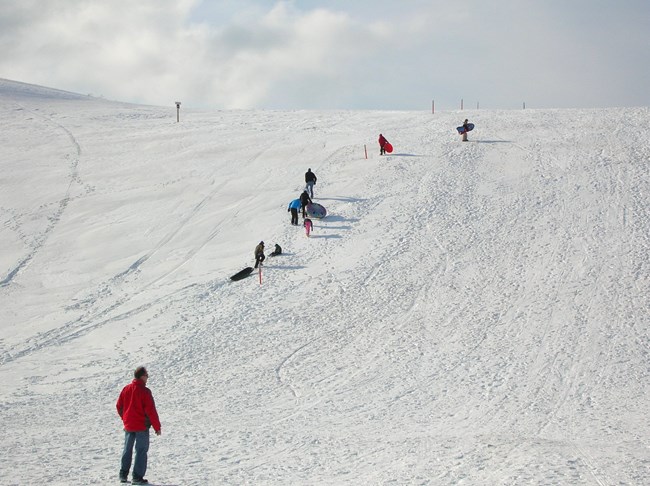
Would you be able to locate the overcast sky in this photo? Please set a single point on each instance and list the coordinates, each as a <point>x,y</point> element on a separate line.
<point>350,54</point>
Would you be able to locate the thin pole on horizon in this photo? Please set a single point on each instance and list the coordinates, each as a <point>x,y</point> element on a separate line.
<point>461,104</point>
<point>433,107</point>
<point>178,111</point>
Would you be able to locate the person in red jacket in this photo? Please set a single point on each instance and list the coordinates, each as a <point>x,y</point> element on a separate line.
<point>138,411</point>
<point>382,144</point>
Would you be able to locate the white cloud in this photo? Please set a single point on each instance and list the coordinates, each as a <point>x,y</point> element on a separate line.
<point>317,54</point>
<point>148,51</point>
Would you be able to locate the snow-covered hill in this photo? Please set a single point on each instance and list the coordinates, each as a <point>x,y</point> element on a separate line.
<point>467,313</point>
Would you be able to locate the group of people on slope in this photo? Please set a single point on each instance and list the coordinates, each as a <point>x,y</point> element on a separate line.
<point>303,201</point>
<point>297,204</point>
<point>300,203</point>
<point>135,404</point>
<point>259,253</point>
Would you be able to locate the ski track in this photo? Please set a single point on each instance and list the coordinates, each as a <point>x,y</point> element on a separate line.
<point>101,303</point>
<point>73,159</point>
<point>458,337</point>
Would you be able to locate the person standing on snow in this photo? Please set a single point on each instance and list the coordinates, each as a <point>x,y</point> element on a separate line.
<point>259,254</point>
<point>310,180</point>
<point>293,208</point>
<point>304,200</point>
<point>465,129</point>
<point>308,226</point>
<point>137,409</point>
<point>382,144</point>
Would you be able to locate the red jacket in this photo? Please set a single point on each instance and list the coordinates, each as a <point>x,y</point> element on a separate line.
<point>137,408</point>
<point>382,140</point>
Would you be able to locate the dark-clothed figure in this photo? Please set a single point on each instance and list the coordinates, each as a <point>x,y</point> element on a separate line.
<point>310,181</point>
<point>259,254</point>
<point>277,250</point>
<point>304,200</point>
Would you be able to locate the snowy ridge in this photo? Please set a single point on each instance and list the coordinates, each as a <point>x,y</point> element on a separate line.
<point>16,90</point>
<point>467,313</point>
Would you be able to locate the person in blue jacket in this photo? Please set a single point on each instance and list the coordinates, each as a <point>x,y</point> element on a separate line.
<point>293,208</point>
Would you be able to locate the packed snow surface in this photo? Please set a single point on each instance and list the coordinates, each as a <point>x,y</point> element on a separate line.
<point>468,313</point>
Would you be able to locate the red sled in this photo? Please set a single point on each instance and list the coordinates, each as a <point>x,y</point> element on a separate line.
<point>388,148</point>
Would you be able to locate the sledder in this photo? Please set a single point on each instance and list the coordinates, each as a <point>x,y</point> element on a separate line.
<point>466,127</point>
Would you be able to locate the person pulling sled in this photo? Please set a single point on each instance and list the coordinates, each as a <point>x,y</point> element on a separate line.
<point>304,200</point>
<point>382,145</point>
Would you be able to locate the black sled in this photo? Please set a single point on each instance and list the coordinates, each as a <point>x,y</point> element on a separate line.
<point>243,274</point>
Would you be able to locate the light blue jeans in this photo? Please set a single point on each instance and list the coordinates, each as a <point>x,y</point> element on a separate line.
<point>141,442</point>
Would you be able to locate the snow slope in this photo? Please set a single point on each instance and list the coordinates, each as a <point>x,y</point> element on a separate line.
<point>468,313</point>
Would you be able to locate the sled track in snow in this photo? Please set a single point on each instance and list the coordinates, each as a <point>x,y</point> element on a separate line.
<point>100,309</point>
<point>73,176</point>
<point>83,325</point>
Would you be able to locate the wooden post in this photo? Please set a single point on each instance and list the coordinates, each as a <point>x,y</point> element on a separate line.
<point>365,149</point>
